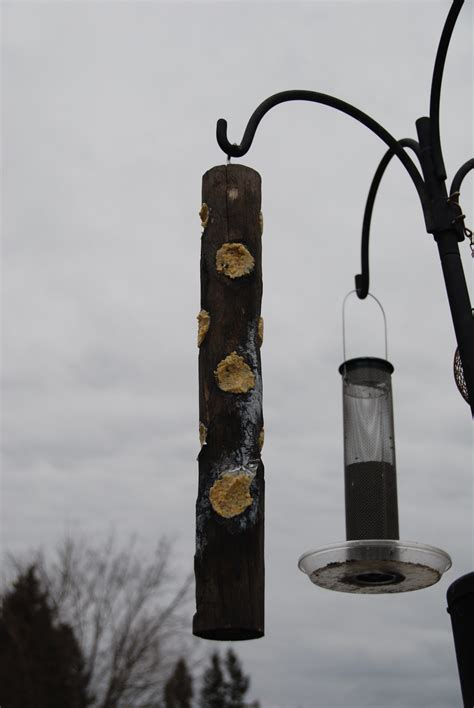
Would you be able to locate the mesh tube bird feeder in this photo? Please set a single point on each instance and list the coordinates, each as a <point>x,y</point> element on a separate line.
<point>373,559</point>
<point>369,449</point>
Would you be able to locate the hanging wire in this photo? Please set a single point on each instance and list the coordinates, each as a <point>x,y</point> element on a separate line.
<point>344,323</point>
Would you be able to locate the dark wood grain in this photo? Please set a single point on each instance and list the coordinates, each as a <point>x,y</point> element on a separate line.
<point>229,560</point>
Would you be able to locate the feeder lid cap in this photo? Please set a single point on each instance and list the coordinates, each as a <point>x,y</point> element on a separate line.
<point>366,362</point>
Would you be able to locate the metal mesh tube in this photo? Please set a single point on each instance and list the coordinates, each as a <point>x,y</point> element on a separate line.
<point>369,450</point>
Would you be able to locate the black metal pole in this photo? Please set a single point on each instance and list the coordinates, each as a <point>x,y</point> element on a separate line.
<point>447,229</point>
<point>459,304</point>
<point>460,597</point>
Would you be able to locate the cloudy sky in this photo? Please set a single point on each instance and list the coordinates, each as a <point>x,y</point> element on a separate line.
<point>109,112</point>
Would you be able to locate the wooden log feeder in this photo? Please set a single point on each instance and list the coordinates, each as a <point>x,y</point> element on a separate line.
<point>229,564</point>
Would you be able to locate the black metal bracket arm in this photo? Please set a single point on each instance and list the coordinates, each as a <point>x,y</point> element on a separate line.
<point>362,280</point>
<point>459,176</point>
<point>442,213</point>
<point>233,150</point>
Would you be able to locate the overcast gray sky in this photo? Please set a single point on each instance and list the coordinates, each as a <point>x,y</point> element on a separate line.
<point>109,112</point>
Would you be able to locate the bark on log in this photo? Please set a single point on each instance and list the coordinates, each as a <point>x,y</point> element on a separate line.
<point>229,562</point>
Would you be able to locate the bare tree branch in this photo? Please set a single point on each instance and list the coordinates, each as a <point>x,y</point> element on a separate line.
<point>127,615</point>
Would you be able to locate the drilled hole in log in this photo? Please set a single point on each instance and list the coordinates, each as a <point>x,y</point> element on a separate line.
<point>202,434</point>
<point>230,495</point>
<point>260,332</point>
<point>204,215</point>
<point>234,375</point>
<point>234,260</point>
<point>204,321</point>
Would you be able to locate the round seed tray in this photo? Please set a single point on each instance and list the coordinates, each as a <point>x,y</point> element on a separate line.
<point>375,566</point>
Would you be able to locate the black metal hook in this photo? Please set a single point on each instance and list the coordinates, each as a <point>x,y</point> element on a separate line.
<point>460,174</point>
<point>326,100</point>
<point>442,216</point>
<point>362,280</point>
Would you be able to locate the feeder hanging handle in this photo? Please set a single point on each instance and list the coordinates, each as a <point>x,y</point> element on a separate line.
<point>344,323</point>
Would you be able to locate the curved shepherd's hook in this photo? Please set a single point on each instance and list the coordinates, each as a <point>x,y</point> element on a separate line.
<point>362,280</point>
<point>436,86</point>
<point>460,174</point>
<point>396,147</point>
<point>233,150</point>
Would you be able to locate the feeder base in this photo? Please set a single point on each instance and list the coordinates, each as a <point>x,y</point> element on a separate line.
<point>375,566</point>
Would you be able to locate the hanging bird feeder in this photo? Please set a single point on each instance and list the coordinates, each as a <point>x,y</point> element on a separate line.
<point>373,559</point>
